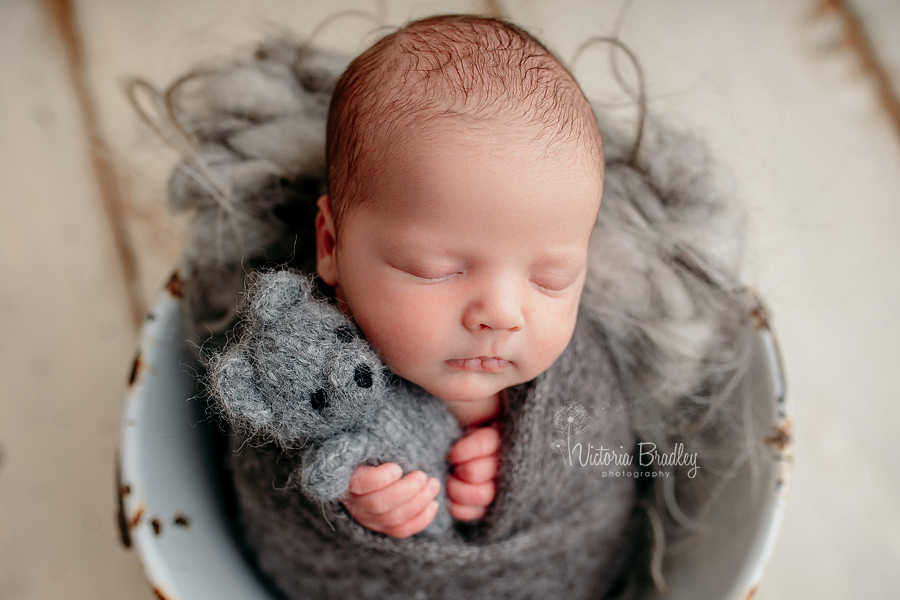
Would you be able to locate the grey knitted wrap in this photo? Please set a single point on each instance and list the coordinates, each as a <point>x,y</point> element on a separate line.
<point>554,530</point>
<point>662,335</point>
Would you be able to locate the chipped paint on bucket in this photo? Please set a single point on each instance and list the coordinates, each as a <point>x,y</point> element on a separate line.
<point>172,511</point>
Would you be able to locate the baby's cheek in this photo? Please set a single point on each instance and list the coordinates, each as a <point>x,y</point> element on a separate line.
<point>555,333</point>
<point>404,333</point>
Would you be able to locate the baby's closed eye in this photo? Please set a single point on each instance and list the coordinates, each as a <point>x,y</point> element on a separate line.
<point>428,271</point>
<point>556,281</point>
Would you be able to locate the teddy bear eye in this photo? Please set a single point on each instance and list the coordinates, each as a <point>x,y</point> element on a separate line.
<point>318,400</point>
<point>344,334</point>
<point>362,375</point>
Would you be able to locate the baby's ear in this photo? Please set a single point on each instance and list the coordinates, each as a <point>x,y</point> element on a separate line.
<point>272,294</point>
<point>326,242</point>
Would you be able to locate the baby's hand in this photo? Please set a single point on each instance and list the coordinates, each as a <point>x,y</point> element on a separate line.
<point>382,499</point>
<point>472,486</point>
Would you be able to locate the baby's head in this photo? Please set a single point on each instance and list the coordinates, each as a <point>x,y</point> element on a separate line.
<point>465,172</point>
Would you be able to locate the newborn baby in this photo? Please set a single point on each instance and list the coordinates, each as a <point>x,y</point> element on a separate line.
<point>465,171</point>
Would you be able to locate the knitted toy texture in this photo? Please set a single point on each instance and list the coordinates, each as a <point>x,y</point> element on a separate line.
<point>302,376</point>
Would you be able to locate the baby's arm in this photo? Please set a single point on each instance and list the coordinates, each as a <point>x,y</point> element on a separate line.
<point>382,499</point>
<point>472,485</point>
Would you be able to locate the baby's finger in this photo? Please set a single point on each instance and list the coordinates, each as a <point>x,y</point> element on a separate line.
<point>483,441</point>
<point>406,511</point>
<point>416,524</point>
<point>479,470</point>
<point>367,479</point>
<point>470,494</point>
<point>461,512</point>
<point>392,496</point>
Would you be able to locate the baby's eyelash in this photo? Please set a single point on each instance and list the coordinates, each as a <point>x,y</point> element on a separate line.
<point>424,275</point>
<point>543,288</point>
<point>551,289</point>
<point>440,278</point>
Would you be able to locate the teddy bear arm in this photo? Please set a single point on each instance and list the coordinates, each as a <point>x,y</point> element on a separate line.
<point>327,468</point>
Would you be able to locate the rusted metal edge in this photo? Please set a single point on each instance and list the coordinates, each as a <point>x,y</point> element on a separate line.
<point>175,285</point>
<point>781,440</point>
<point>63,18</point>
<point>135,369</point>
<point>160,594</point>
<point>122,491</point>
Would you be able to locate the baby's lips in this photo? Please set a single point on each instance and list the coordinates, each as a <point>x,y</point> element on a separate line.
<point>490,364</point>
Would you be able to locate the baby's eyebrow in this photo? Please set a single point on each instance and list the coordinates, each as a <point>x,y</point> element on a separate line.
<point>421,249</point>
<point>562,258</point>
<point>418,245</point>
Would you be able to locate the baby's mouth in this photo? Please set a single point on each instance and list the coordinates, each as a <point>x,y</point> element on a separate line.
<point>490,364</point>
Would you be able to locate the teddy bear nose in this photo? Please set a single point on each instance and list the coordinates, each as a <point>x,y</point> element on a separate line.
<point>362,375</point>
<point>318,400</point>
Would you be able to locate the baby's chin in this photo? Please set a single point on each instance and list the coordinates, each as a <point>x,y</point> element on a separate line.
<point>468,388</point>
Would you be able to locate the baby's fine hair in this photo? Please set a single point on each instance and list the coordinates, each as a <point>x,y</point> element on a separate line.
<point>475,69</point>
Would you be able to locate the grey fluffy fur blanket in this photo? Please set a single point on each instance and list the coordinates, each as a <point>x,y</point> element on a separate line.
<point>661,338</point>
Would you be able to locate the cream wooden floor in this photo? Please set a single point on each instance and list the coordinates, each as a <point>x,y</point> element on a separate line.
<point>789,112</point>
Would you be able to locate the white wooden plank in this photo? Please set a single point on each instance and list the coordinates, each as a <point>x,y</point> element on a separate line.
<point>65,337</point>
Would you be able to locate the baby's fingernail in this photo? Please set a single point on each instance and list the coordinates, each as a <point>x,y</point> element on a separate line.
<point>396,472</point>
<point>434,485</point>
<point>433,507</point>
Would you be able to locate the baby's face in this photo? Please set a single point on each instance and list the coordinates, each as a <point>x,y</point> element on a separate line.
<point>464,264</point>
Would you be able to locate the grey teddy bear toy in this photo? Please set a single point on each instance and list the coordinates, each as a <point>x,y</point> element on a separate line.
<point>300,374</point>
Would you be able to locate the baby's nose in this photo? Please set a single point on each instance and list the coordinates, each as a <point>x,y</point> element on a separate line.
<point>498,308</point>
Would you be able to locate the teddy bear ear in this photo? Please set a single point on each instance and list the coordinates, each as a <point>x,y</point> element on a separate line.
<point>239,395</point>
<point>273,293</point>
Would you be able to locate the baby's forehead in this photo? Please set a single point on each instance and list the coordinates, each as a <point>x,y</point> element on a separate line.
<point>453,157</point>
<point>500,137</point>
<point>455,68</point>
